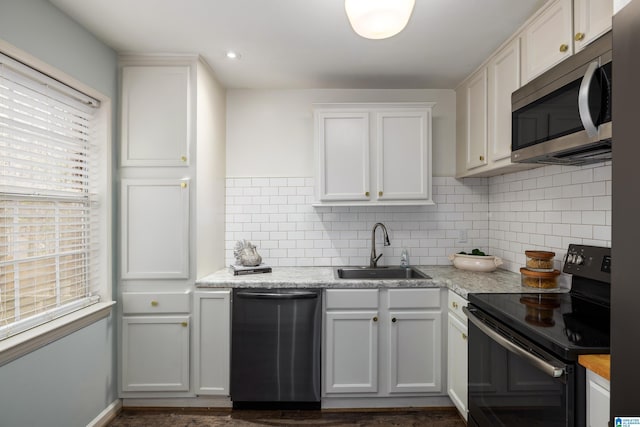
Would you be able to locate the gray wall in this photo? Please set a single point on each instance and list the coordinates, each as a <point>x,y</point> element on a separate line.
<point>69,382</point>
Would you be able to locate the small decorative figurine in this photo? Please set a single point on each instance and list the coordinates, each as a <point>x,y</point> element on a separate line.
<point>246,254</point>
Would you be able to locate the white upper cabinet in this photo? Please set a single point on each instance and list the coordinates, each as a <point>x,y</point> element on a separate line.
<point>547,39</point>
<point>155,228</point>
<point>483,100</point>
<point>403,157</point>
<point>591,19</point>
<point>504,79</point>
<point>484,115</point>
<point>156,115</point>
<point>476,115</point>
<point>343,144</point>
<point>373,154</point>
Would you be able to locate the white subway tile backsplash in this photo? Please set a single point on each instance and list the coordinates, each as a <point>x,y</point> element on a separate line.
<point>573,205</point>
<point>276,214</point>
<point>544,208</point>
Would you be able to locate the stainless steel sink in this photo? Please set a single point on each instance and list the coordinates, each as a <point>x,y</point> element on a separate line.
<point>378,273</point>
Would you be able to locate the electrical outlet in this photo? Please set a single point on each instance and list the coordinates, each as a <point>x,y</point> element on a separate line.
<point>462,236</point>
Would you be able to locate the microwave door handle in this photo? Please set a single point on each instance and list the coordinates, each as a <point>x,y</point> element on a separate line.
<point>543,365</point>
<point>583,100</point>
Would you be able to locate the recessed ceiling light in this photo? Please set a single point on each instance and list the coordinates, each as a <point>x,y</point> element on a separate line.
<point>232,55</point>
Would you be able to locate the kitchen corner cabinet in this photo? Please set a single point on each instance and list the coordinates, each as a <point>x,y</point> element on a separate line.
<point>155,342</point>
<point>373,154</point>
<point>156,115</point>
<point>382,342</point>
<point>475,92</point>
<point>457,353</point>
<point>212,342</point>
<point>155,228</point>
<point>484,115</point>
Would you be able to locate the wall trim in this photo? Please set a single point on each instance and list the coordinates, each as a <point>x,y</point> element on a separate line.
<point>188,402</point>
<point>107,415</point>
<point>21,344</point>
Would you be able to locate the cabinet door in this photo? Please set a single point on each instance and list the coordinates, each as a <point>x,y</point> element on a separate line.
<point>457,354</point>
<point>504,78</point>
<point>591,19</point>
<point>547,40</point>
<point>212,341</point>
<point>156,115</point>
<point>403,147</point>
<point>597,400</point>
<point>155,228</point>
<point>415,343</point>
<point>476,91</point>
<point>343,155</point>
<point>155,353</point>
<point>351,352</point>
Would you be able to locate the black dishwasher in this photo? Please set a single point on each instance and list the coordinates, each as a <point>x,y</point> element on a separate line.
<point>275,348</point>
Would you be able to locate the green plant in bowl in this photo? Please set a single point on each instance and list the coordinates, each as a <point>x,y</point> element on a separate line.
<point>476,252</point>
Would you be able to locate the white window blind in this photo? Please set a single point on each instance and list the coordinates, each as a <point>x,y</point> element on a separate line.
<point>48,198</point>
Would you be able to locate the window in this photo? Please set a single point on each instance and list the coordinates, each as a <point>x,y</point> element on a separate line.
<point>50,186</point>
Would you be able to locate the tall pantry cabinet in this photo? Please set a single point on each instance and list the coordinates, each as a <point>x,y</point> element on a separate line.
<point>171,231</point>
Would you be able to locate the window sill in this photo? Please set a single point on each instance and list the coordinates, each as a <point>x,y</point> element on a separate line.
<point>19,345</point>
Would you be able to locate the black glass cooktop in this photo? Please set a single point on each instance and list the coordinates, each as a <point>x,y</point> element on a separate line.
<point>566,324</point>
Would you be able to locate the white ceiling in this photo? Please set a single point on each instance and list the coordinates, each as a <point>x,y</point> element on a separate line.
<point>294,44</point>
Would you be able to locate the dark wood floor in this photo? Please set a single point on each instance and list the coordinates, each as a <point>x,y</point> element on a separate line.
<point>435,417</point>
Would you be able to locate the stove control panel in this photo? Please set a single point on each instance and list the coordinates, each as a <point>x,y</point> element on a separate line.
<point>593,262</point>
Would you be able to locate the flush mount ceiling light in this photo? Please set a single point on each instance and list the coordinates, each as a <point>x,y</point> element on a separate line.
<point>378,19</point>
<point>232,55</point>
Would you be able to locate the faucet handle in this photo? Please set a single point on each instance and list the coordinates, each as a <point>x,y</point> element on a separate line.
<point>374,261</point>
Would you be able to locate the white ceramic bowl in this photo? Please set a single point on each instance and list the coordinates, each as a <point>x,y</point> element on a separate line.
<point>475,262</point>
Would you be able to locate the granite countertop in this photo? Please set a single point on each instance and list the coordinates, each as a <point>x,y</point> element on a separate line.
<point>461,282</point>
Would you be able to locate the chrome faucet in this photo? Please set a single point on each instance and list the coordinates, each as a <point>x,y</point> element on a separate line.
<point>373,262</point>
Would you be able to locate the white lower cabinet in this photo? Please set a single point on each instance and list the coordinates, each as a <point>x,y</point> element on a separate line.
<point>212,342</point>
<point>457,353</point>
<point>155,353</point>
<point>351,349</point>
<point>382,342</point>
<point>414,356</point>
<point>597,400</point>
<point>155,341</point>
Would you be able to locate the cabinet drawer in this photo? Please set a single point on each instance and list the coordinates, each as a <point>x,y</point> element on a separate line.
<point>351,298</point>
<point>414,298</point>
<point>456,302</point>
<point>156,302</point>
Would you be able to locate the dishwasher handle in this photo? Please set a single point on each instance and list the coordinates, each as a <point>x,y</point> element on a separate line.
<point>543,365</point>
<point>276,295</point>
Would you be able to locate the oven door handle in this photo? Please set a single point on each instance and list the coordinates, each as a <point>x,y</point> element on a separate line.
<point>543,365</point>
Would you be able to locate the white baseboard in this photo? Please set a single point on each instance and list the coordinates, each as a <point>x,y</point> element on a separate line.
<point>108,414</point>
<point>189,402</point>
<point>385,402</point>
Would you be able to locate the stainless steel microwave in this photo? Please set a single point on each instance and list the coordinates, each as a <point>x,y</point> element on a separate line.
<point>564,115</point>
